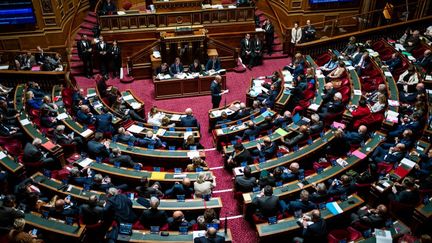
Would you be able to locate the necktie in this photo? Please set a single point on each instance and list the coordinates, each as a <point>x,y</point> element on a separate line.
<point>177,68</point>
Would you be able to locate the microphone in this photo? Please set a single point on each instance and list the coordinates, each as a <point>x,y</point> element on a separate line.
<point>226,224</point>
<point>225,103</point>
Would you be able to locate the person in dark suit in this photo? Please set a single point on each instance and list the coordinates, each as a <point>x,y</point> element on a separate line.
<point>355,138</point>
<point>413,124</point>
<point>405,192</point>
<point>257,49</point>
<point>90,212</point>
<point>61,138</point>
<point>267,149</point>
<point>329,92</point>
<point>163,69</point>
<point>309,31</point>
<point>102,51</point>
<point>210,237</point>
<point>242,112</point>
<point>245,182</point>
<point>183,188</point>
<point>370,217</point>
<point>84,116</point>
<point>176,67</point>
<point>303,204</point>
<point>115,53</point>
<point>104,122</point>
<point>223,119</point>
<point>108,8</point>
<point>426,61</point>
<point>195,67</point>
<point>213,64</point>
<point>216,91</point>
<point>251,131</point>
<point>34,154</point>
<point>391,155</point>
<point>240,155</point>
<point>269,35</point>
<point>424,167</point>
<point>189,120</point>
<point>97,147</point>
<point>286,118</point>
<point>8,212</point>
<point>153,216</point>
<point>85,54</point>
<point>394,62</point>
<point>178,220</point>
<point>332,107</point>
<point>123,159</point>
<point>303,134</point>
<point>151,140</point>
<point>246,50</point>
<point>316,232</point>
<point>344,186</point>
<point>119,207</point>
<point>9,131</point>
<point>270,98</point>
<point>266,203</point>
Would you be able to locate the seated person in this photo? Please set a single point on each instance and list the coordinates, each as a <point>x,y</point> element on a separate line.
<point>108,8</point>
<point>251,131</point>
<point>408,79</point>
<point>61,138</point>
<point>9,211</point>
<point>391,155</point>
<point>363,63</point>
<point>103,184</point>
<point>267,149</point>
<point>245,182</point>
<point>176,67</point>
<point>178,220</point>
<point>303,134</point>
<point>344,186</point>
<point>362,110</point>
<point>98,147</point>
<point>329,92</point>
<point>394,62</point>
<point>153,216</point>
<point>426,61</point>
<point>406,122</point>
<point>337,73</point>
<point>267,124</point>
<point>316,126</point>
<point>303,204</point>
<point>104,122</point>
<point>292,173</point>
<point>166,122</point>
<point>190,143</point>
<point>63,208</point>
<point>213,64</point>
<point>330,65</point>
<point>84,116</point>
<point>123,159</point>
<point>332,107</point>
<point>424,167</point>
<point>46,119</point>
<point>411,96</point>
<point>32,102</point>
<point>90,212</point>
<point>266,204</point>
<point>163,69</point>
<point>355,138</point>
<point>320,195</point>
<point>155,116</point>
<point>373,96</point>
<point>78,177</point>
<point>279,120</point>
<point>275,79</point>
<point>370,217</point>
<point>202,186</point>
<point>183,188</point>
<point>152,140</point>
<point>119,207</point>
<point>146,191</point>
<point>316,231</point>
<point>124,136</point>
<point>36,90</point>
<point>269,98</point>
<point>189,120</point>
<point>223,119</point>
<point>197,163</point>
<point>33,154</point>
<point>242,112</point>
<point>240,155</point>
<point>195,67</point>
<point>406,193</point>
<point>47,104</point>
<point>9,131</point>
<point>413,41</point>
<point>209,217</point>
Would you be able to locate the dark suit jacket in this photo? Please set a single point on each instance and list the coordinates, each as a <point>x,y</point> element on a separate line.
<point>209,65</point>
<point>188,121</point>
<point>104,123</point>
<point>99,48</point>
<point>257,46</point>
<point>295,140</point>
<point>316,232</point>
<point>90,214</point>
<point>203,239</point>
<point>32,153</point>
<point>216,91</point>
<point>251,132</point>
<point>96,149</point>
<point>173,69</point>
<point>124,159</point>
<point>245,47</point>
<point>244,156</point>
<point>267,205</point>
<point>120,207</point>
<point>8,215</point>
<point>328,96</point>
<point>245,184</point>
<point>193,69</point>
<point>83,49</point>
<point>84,118</point>
<point>153,217</point>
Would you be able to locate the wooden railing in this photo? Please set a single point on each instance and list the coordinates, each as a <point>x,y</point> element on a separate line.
<point>141,63</point>
<point>70,34</point>
<point>394,31</point>
<point>227,54</point>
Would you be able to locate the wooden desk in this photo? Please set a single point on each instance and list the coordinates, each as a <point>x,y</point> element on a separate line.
<point>97,104</point>
<point>215,114</point>
<point>320,81</point>
<point>355,98</point>
<point>289,225</point>
<point>144,236</point>
<point>51,226</point>
<point>177,88</point>
<point>69,122</point>
<point>9,163</point>
<point>284,96</point>
<point>133,102</point>
<point>329,172</point>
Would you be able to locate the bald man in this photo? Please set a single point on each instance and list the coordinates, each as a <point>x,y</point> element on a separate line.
<point>303,134</point>
<point>316,231</point>
<point>356,138</point>
<point>153,216</point>
<point>267,149</point>
<point>178,220</point>
<point>210,237</point>
<point>151,140</point>
<point>392,155</point>
<point>189,120</point>
<point>216,91</point>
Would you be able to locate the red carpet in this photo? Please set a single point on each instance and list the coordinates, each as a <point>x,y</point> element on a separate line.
<point>238,84</point>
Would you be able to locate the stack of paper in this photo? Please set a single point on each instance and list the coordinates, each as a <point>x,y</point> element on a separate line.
<point>135,129</point>
<point>388,74</point>
<point>314,107</point>
<point>392,116</point>
<point>85,162</point>
<point>193,154</point>
<point>86,133</point>
<point>175,117</point>
<point>404,167</point>
<point>24,122</point>
<point>62,116</point>
<point>160,132</point>
<point>216,113</point>
<point>342,162</point>
<point>135,105</point>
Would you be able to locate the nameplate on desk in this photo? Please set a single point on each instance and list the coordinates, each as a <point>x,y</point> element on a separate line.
<point>89,95</point>
<point>238,171</point>
<point>175,117</point>
<point>350,68</point>
<point>135,129</point>
<point>193,154</point>
<point>179,176</point>
<point>86,133</point>
<point>393,103</point>
<point>357,92</point>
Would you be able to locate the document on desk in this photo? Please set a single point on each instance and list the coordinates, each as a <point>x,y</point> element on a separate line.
<point>24,122</point>
<point>85,162</point>
<point>157,176</point>
<point>216,113</point>
<point>314,107</point>
<point>281,132</point>
<point>62,116</point>
<point>193,154</point>
<point>334,208</point>
<point>136,105</point>
<point>128,97</point>
<point>135,129</point>
<point>86,133</point>
<point>187,134</point>
<point>2,155</point>
<point>175,117</point>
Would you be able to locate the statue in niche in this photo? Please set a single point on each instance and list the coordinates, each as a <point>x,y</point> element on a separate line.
<point>46,6</point>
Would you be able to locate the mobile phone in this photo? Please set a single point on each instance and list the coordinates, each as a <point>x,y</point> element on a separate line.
<point>34,231</point>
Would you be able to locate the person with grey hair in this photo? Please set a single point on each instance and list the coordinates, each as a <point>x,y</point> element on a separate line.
<point>316,125</point>
<point>35,157</point>
<point>210,236</point>
<point>202,186</point>
<point>101,183</point>
<point>153,216</point>
<point>242,112</point>
<point>119,207</point>
<point>61,138</point>
<point>123,159</point>
<point>77,178</point>
<point>189,120</point>
<point>332,107</point>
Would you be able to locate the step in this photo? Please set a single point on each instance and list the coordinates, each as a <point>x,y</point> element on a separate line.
<point>86,25</point>
<point>91,13</point>
<point>277,48</point>
<point>275,55</point>
<point>90,19</point>
<point>75,58</point>
<point>85,31</point>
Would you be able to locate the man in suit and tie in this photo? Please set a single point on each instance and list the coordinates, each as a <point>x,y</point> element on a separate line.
<point>102,50</point>
<point>213,64</point>
<point>256,54</point>
<point>317,231</point>
<point>97,147</point>
<point>189,120</point>
<point>210,237</point>
<point>176,67</point>
<point>216,91</point>
<point>266,203</point>
<point>115,53</point>
<point>91,212</point>
<point>85,54</point>
<point>332,107</point>
<point>33,154</point>
<point>392,155</point>
<point>269,35</point>
<point>246,50</point>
